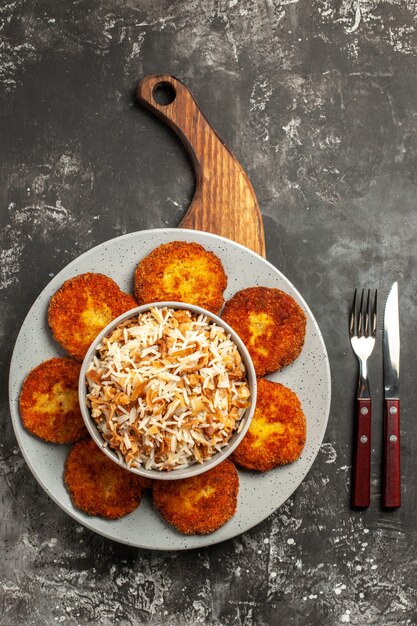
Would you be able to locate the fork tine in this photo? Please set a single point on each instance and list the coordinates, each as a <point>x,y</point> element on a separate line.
<point>367,314</point>
<point>360,318</point>
<point>352,317</point>
<point>374,314</point>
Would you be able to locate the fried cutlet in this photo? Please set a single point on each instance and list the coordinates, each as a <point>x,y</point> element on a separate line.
<point>97,485</point>
<point>270,323</point>
<point>277,432</point>
<point>49,402</point>
<point>182,272</point>
<point>82,307</point>
<point>200,504</point>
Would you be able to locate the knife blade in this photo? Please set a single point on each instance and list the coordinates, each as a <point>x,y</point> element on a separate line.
<point>391,495</point>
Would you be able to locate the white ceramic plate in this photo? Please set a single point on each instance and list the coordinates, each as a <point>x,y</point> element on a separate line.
<point>259,494</point>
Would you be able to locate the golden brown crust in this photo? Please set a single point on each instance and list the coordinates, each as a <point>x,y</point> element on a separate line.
<point>201,504</point>
<point>277,432</point>
<point>182,272</point>
<point>98,486</point>
<point>49,402</point>
<point>82,307</point>
<point>271,325</point>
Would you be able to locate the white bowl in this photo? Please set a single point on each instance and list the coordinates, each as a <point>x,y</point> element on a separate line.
<point>195,468</point>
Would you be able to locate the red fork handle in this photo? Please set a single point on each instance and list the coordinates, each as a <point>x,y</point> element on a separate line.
<point>361,492</point>
<point>391,496</point>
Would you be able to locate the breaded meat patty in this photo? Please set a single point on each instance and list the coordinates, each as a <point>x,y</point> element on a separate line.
<point>98,486</point>
<point>277,432</point>
<point>82,307</point>
<point>201,504</point>
<point>182,272</point>
<point>49,402</point>
<point>270,323</point>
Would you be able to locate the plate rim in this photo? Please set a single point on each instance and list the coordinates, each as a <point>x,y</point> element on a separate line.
<point>211,540</point>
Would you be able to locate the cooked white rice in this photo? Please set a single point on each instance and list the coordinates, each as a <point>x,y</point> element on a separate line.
<point>167,389</point>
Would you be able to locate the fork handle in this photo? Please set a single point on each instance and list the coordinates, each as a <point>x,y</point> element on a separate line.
<point>361,493</point>
<point>391,495</point>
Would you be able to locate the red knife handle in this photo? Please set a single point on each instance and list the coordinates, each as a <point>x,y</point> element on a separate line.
<point>361,492</point>
<point>391,497</point>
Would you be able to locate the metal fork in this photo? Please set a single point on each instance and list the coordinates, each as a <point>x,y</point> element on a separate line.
<point>362,331</point>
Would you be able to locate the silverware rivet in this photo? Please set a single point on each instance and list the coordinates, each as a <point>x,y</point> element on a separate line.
<point>393,410</point>
<point>364,410</point>
<point>393,438</point>
<point>364,438</point>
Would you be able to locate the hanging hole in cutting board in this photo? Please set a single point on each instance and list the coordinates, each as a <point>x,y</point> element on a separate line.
<point>164,93</point>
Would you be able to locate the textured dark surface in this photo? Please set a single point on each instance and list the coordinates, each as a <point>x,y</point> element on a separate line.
<point>318,100</point>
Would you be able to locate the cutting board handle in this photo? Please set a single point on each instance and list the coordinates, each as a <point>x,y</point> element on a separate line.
<point>224,201</point>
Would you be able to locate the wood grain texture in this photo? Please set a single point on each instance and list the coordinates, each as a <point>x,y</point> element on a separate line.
<point>224,202</point>
<point>391,480</point>
<point>361,492</point>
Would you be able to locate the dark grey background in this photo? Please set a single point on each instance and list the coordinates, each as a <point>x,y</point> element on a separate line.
<point>318,100</point>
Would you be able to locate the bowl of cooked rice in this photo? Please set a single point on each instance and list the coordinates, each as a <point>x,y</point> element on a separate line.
<point>167,390</point>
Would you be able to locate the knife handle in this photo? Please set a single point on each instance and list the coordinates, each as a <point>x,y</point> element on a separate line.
<point>391,496</point>
<point>361,492</point>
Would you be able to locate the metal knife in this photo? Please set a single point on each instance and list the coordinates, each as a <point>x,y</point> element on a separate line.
<point>391,495</point>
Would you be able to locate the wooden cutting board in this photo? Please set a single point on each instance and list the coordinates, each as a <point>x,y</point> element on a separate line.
<point>224,201</point>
